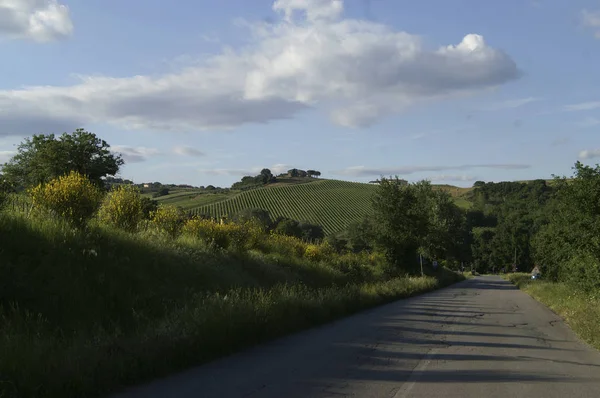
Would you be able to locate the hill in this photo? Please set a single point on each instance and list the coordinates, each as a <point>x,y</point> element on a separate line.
<point>332,204</point>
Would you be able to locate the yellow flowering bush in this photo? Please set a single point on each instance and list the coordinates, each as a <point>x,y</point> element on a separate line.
<point>122,208</point>
<point>240,236</point>
<point>73,197</point>
<point>168,219</point>
<point>209,231</point>
<point>287,245</point>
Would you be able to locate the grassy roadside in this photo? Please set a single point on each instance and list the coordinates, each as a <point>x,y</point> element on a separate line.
<point>580,311</point>
<point>85,313</point>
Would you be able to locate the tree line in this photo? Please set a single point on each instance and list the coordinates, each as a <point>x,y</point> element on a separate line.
<point>512,226</point>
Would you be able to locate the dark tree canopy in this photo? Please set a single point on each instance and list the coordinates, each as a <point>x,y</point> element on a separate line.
<point>44,157</point>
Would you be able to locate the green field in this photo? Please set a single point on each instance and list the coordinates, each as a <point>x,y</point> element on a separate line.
<point>191,199</point>
<point>330,203</point>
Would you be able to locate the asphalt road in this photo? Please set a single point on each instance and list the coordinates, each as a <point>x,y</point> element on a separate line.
<point>479,338</point>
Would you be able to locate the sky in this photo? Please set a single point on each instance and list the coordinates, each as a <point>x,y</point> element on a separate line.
<point>204,92</point>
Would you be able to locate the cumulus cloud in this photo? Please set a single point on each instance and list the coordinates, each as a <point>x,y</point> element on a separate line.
<point>37,20</point>
<point>589,154</point>
<point>583,106</point>
<point>357,70</point>
<point>362,171</point>
<point>134,154</point>
<point>187,151</point>
<point>591,19</point>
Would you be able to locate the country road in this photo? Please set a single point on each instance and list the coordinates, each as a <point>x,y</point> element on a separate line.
<point>479,338</point>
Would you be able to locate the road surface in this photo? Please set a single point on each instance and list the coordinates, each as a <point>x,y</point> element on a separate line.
<point>479,338</point>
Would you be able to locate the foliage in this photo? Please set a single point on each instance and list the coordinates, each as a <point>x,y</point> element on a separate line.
<point>568,244</point>
<point>148,207</point>
<point>168,219</point>
<point>262,217</point>
<point>122,208</point>
<point>42,158</point>
<point>402,220</point>
<point>72,197</point>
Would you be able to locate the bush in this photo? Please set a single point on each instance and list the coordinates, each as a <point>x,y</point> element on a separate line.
<point>212,233</point>
<point>148,207</point>
<point>122,208</point>
<point>73,197</point>
<point>248,235</point>
<point>168,219</point>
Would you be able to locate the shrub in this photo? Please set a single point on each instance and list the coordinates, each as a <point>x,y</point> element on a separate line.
<point>168,219</point>
<point>286,245</point>
<point>148,207</point>
<point>122,208</point>
<point>212,233</point>
<point>73,197</point>
<point>248,235</point>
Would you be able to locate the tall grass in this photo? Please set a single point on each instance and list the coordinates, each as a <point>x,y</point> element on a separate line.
<point>580,310</point>
<point>84,312</point>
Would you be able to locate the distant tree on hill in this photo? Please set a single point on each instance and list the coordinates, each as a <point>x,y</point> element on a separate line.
<point>311,173</point>
<point>293,173</point>
<point>42,158</point>
<point>317,173</point>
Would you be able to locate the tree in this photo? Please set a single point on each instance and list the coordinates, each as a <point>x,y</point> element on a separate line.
<point>262,217</point>
<point>293,172</point>
<point>317,173</point>
<point>287,226</point>
<point>266,176</point>
<point>42,158</point>
<point>444,229</point>
<point>401,220</point>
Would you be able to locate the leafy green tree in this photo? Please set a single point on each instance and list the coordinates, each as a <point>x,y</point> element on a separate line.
<point>311,232</point>
<point>361,235</point>
<point>567,245</point>
<point>262,217</point>
<point>287,226</point>
<point>402,221</point>
<point>42,158</point>
<point>444,235</point>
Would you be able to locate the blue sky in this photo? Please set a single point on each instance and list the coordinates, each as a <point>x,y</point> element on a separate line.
<point>204,92</point>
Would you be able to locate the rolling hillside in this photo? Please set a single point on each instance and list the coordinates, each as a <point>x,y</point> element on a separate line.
<point>330,203</point>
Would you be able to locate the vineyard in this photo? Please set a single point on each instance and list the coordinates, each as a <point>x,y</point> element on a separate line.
<point>329,203</point>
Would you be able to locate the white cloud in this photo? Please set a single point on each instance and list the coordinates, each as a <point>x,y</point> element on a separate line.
<point>589,154</point>
<point>591,19</point>
<point>6,155</point>
<point>583,106</point>
<point>360,71</point>
<point>451,177</point>
<point>37,20</point>
<point>509,104</point>
<point>187,151</point>
<point>134,154</point>
<point>362,171</point>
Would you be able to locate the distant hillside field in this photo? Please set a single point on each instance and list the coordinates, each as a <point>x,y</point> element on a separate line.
<point>330,203</point>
